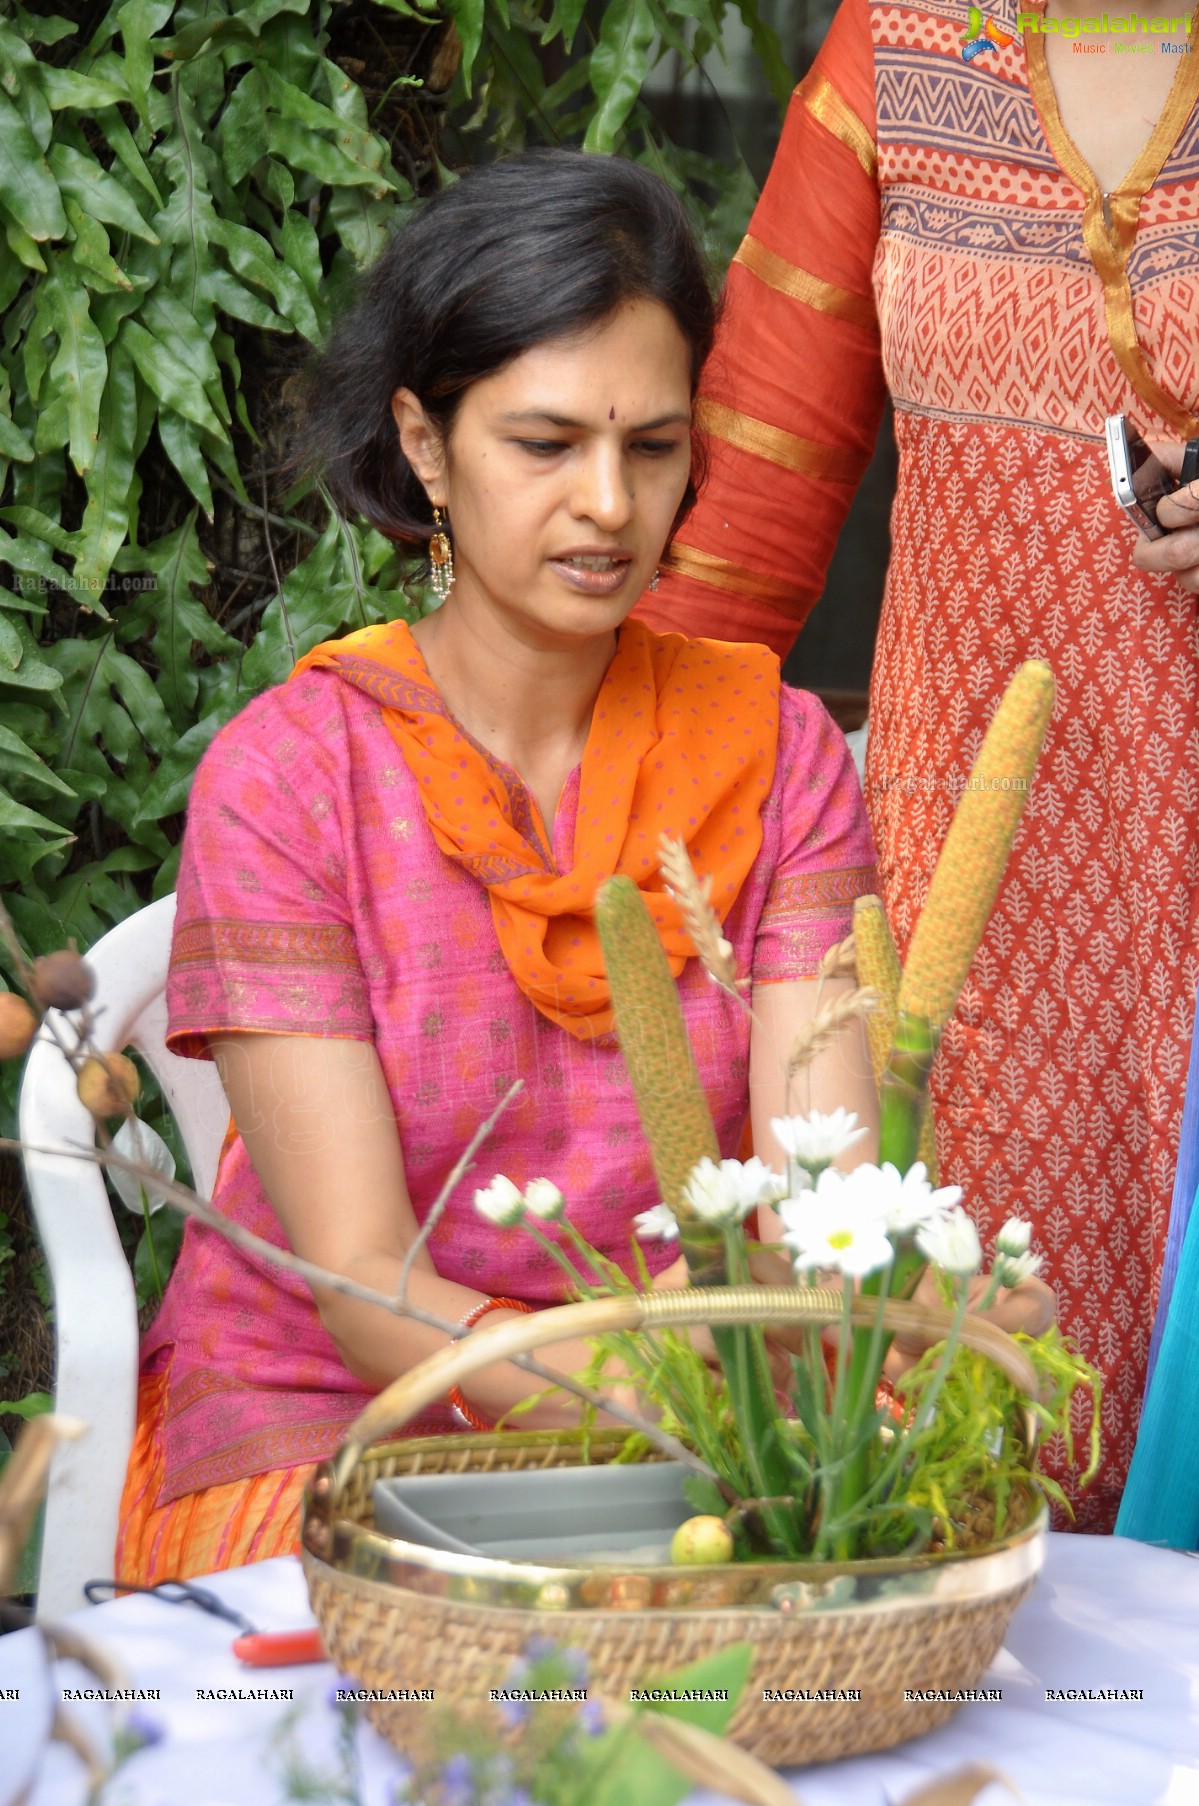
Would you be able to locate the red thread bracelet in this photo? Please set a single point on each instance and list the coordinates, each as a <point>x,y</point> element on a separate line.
<point>465,1411</point>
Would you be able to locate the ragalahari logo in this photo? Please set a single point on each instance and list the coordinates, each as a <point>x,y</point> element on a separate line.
<point>982,34</point>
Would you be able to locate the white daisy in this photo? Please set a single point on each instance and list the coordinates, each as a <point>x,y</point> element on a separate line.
<point>836,1227</point>
<point>500,1202</point>
<point>726,1194</point>
<point>657,1225</point>
<point>1014,1238</point>
<point>951,1242</point>
<point>815,1140</point>
<point>544,1200</point>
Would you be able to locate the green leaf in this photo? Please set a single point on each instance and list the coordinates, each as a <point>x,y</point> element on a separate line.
<point>34,1404</point>
<point>110,481</point>
<point>27,187</point>
<point>139,20</point>
<point>166,793</point>
<point>166,317</point>
<point>11,652</point>
<point>361,146</point>
<point>13,443</point>
<point>21,79</point>
<point>31,671</point>
<point>97,191</point>
<point>181,443</point>
<point>204,36</point>
<point>303,149</point>
<point>468,16</point>
<point>112,706</point>
<point>23,247</point>
<point>120,140</point>
<point>178,617</point>
<point>20,760</point>
<point>15,818</point>
<point>69,88</point>
<point>769,52</point>
<point>90,250</point>
<point>156,1253</point>
<point>80,366</point>
<point>311,607</point>
<point>619,64</point>
<point>242,130</point>
<point>254,261</point>
<point>172,381</point>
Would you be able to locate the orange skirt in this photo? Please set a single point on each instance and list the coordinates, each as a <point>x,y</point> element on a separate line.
<point>221,1527</point>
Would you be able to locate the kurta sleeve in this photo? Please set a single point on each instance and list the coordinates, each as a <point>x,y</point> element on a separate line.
<point>826,854</point>
<point>263,931</point>
<point>792,395</point>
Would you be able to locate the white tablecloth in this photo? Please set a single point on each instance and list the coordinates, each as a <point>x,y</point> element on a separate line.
<point>1105,1613</point>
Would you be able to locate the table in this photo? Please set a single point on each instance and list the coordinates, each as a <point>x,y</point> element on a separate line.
<point>1105,1613</point>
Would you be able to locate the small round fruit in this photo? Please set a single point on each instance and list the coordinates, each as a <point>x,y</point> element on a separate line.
<point>701,1541</point>
<point>108,1085</point>
<point>18,1026</point>
<point>62,981</point>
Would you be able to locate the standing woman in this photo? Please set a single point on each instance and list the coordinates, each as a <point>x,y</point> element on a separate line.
<point>1002,234</point>
<point>387,887</point>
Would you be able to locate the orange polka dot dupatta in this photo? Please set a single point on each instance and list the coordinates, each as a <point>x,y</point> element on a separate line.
<point>683,741</point>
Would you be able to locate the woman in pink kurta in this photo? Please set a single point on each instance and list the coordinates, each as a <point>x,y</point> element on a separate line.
<point>363,867</point>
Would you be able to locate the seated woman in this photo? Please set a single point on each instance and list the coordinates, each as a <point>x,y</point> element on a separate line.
<point>385,898</point>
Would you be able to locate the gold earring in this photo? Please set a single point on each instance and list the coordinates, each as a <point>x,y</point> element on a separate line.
<point>441,559</point>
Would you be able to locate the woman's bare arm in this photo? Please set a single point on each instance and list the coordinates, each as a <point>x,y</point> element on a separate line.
<point>317,1122</point>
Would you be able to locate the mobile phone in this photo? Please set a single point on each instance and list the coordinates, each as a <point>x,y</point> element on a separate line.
<point>1139,479</point>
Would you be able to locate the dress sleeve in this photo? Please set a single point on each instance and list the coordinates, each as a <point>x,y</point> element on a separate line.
<point>263,931</point>
<point>826,855</point>
<point>792,395</point>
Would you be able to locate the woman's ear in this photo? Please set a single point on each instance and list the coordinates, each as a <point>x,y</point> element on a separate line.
<point>421,444</point>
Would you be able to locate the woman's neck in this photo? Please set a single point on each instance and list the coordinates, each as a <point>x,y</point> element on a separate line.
<point>528,705</point>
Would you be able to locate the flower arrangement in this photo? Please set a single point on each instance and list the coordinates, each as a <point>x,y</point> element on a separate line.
<point>841,1469</point>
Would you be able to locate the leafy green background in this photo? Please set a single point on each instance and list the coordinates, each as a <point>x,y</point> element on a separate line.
<point>185,190</point>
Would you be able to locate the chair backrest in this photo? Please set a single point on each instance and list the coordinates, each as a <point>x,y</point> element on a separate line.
<point>95,1315</point>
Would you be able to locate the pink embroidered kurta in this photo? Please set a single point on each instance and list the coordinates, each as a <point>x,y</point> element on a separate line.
<point>314,901</point>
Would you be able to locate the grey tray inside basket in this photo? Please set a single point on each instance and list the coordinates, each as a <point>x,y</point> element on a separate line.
<point>559,1514</point>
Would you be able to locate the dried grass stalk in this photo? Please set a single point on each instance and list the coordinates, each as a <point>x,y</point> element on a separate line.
<point>699,918</point>
<point>826,1024</point>
<point>840,961</point>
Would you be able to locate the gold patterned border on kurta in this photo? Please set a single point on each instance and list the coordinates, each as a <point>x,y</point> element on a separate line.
<point>806,457</point>
<point>1109,249</point>
<point>836,115</point>
<point>721,573</point>
<point>800,285</point>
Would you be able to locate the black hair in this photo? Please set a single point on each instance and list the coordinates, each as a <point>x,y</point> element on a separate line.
<point>532,248</point>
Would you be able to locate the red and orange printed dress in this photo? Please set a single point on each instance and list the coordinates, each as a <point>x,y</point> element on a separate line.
<point>929,228</point>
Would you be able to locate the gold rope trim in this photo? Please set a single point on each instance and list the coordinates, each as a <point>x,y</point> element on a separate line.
<point>836,115</point>
<point>706,567</point>
<point>1109,250</point>
<point>800,285</point>
<point>804,456</point>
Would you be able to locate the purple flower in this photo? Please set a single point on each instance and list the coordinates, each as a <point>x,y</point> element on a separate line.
<point>514,1713</point>
<point>591,1718</point>
<point>342,1683</point>
<point>540,1649</point>
<point>141,1730</point>
<point>576,1665</point>
<point>458,1781</point>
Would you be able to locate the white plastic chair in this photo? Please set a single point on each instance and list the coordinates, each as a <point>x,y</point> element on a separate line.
<point>95,1314</point>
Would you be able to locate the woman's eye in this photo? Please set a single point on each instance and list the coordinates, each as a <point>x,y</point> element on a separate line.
<point>656,448</point>
<point>541,448</point>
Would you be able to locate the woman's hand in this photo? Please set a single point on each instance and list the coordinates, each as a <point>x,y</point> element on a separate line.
<point>1030,1307</point>
<point>1177,553</point>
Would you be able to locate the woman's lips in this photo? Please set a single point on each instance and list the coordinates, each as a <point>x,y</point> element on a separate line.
<point>593,573</point>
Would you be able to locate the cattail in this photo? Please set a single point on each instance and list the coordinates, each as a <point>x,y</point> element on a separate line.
<point>975,854</point>
<point>878,967</point>
<point>654,1041</point>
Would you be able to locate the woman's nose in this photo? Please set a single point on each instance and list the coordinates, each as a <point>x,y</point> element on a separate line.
<point>604,491</point>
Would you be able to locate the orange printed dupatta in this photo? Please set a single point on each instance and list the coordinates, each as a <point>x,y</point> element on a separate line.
<point>683,741</point>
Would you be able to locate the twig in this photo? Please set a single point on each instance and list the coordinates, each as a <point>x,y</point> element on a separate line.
<point>460,1168</point>
<point>193,1205</point>
<point>277,520</point>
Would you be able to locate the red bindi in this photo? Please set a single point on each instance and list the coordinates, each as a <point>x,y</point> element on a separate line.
<point>611,413</point>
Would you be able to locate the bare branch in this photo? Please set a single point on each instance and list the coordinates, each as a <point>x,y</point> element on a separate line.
<point>459,1170</point>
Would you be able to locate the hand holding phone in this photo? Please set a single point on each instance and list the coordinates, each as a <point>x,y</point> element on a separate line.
<point>1139,479</point>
